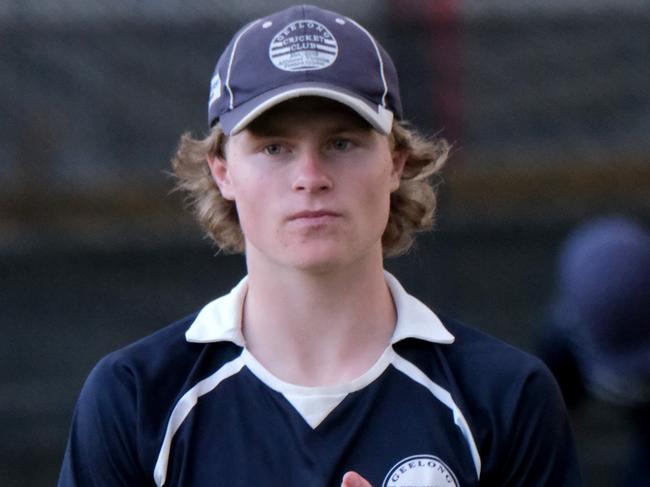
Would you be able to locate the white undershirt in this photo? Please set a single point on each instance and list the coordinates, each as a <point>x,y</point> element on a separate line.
<point>315,403</point>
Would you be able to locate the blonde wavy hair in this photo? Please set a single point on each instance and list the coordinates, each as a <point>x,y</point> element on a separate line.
<point>412,205</point>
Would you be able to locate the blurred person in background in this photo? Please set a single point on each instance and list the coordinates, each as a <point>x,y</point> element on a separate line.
<point>597,338</point>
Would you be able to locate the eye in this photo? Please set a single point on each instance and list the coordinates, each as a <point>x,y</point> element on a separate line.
<point>341,144</point>
<point>273,149</point>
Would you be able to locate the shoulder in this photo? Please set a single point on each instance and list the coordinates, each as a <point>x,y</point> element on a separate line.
<point>500,383</point>
<point>129,376</point>
<point>514,407</point>
<point>156,369</point>
<point>148,357</point>
<point>476,363</point>
<point>124,405</point>
<point>494,360</point>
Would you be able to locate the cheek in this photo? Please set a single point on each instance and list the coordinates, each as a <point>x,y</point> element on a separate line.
<point>246,204</point>
<point>254,202</point>
<point>245,186</point>
<point>385,186</point>
<point>374,193</point>
<point>381,184</point>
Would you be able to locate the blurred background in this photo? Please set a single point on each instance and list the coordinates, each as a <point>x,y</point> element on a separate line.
<point>546,102</point>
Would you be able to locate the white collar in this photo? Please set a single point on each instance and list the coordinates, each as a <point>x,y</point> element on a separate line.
<point>220,320</point>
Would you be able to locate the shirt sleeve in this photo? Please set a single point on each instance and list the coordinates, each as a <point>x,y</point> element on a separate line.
<point>102,446</point>
<point>539,448</point>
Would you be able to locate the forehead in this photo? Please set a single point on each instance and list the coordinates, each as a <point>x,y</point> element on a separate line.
<point>304,111</point>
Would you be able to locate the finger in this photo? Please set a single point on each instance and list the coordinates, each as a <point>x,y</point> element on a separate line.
<point>353,479</point>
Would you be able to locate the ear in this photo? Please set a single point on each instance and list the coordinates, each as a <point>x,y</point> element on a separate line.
<point>399,160</point>
<point>221,176</point>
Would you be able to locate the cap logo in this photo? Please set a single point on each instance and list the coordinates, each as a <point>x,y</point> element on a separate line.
<point>215,89</point>
<point>303,45</point>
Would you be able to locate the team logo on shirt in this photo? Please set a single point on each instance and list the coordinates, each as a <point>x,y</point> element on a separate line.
<point>304,45</point>
<point>420,471</point>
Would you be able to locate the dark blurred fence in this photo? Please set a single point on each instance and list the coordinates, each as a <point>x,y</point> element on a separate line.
<point>549,113</point>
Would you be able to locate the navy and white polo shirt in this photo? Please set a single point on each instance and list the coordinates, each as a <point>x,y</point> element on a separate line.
<point>445,405</point>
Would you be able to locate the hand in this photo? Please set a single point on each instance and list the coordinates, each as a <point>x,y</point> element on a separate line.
<point>353,479</point>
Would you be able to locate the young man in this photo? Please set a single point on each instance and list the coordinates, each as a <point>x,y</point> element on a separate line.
<point>318,369</point>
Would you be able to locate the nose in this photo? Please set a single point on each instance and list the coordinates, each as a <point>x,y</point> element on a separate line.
<point>311,173</point>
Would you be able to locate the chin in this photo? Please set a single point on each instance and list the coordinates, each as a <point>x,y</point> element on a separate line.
<point>320,262</point>
<point>325,257</point>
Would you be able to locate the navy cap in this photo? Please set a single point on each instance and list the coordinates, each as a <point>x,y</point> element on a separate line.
<point>303,51</point>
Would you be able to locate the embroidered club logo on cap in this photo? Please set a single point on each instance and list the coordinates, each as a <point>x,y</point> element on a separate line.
<point>303,45</point>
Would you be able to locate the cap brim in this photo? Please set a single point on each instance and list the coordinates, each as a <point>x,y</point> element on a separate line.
<point>238,118</point>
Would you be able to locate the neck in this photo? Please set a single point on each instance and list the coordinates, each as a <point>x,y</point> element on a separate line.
<point>319,328</point>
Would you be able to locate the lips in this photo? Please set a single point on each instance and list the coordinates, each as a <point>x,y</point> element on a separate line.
<point>314,215</point>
